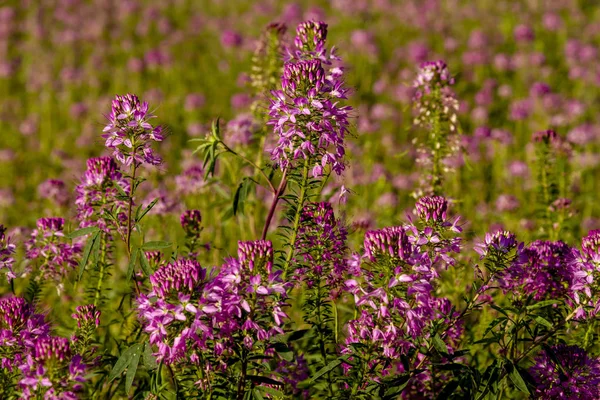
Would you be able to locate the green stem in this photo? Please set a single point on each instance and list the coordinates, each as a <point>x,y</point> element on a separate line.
<point>296,223</point>
<point>102,271</point>
<point>130,206</point>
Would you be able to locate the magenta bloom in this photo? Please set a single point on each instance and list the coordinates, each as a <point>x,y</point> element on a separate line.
<point>98,194</point>
<point>129,133</point>
<point>51,254</point>
<point>306,113</point>
<point>7,249</point>
<point>566,372</point>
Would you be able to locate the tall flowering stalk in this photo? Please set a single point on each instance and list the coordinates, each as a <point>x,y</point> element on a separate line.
<point>130,135</point>
<point>321,251</point>
<point>101,203</point>
<point>436,110</point>
<point>191,222</point>
<point>310,122</point>
<point>552,165</point>
<point>267,65</point>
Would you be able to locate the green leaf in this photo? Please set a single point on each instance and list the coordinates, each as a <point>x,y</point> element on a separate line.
<point>270,391</point>
<point>439,344</point>
<point>157,245</point>
<point>132,367</point>
<point>516,379</point>
<point>499,309</point>
<point>82,232</point>
<point>448,390</point>
<point>146,210</point>
<point>263,379</point>
<point>125,360</point>
<point>543,321</point>
<point>145,265</point>
<point>240,196</point>
<point>149,359</point>
<point>132,261</point>
<point>86,252</point>
<point>257,395</point>
<point>541,304</point>
<point>297,335</point>
<point>284,351</point>
<point>228,214</point>
<point>329,367</point>
<point>396,386</point>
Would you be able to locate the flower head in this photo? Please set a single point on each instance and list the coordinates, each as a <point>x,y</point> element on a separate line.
<point>7,249</point>
<point>129,133</point>
<point>191,222</point>
<point>432,209</point>
<point>566,372</point>
<point>50,252</point>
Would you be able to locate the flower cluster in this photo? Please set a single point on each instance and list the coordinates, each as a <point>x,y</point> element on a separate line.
<point>307,118</point>
<point>586,266</point>
<point>54,190</point>
<point>541,270</point>
<point>255,295</point>
<point>171,313</point>
<point>45,365</point>
<point>566,372</point>
<point>193,317</point>
<point>311,36</point>
<point>52,370</point>
<point>432,75</point>
<point>20,329</point>
<point>51,255</point>
<point>191,222</point>
<point>86,316</point>
<point>432,209</point>
<point>98,197</point>
<point>395,292</point>
<point>433,94</point>
<point>266,67</point>
<point>498,242</point>
<point>7,249</point>
<point>436,109</point>
<point>129,133</point>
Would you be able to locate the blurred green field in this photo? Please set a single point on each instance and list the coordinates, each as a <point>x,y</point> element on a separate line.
<point>520,67</point>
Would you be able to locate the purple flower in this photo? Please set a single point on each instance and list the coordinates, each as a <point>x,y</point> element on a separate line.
<point>541,270</point>
<point>566,372</point>
<point>50,253</point>
<point>256,255</point>
<point>191,180</point>
<point>500,242</point>
<point>7,249</point>
<point>191,222</point>
<point>54,190</point>
<point>389,242</point>
<point>432,75</point>
<point>129,133</point>
<point>306,114</point>
<point>86,316</point>
<point>432,209</point>
<point>97,195</point>
<point>321,247</point>
<point>311,36</point>
<point>20,329</point>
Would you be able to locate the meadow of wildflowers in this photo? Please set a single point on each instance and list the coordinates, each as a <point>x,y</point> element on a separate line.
<point>345,199</point>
